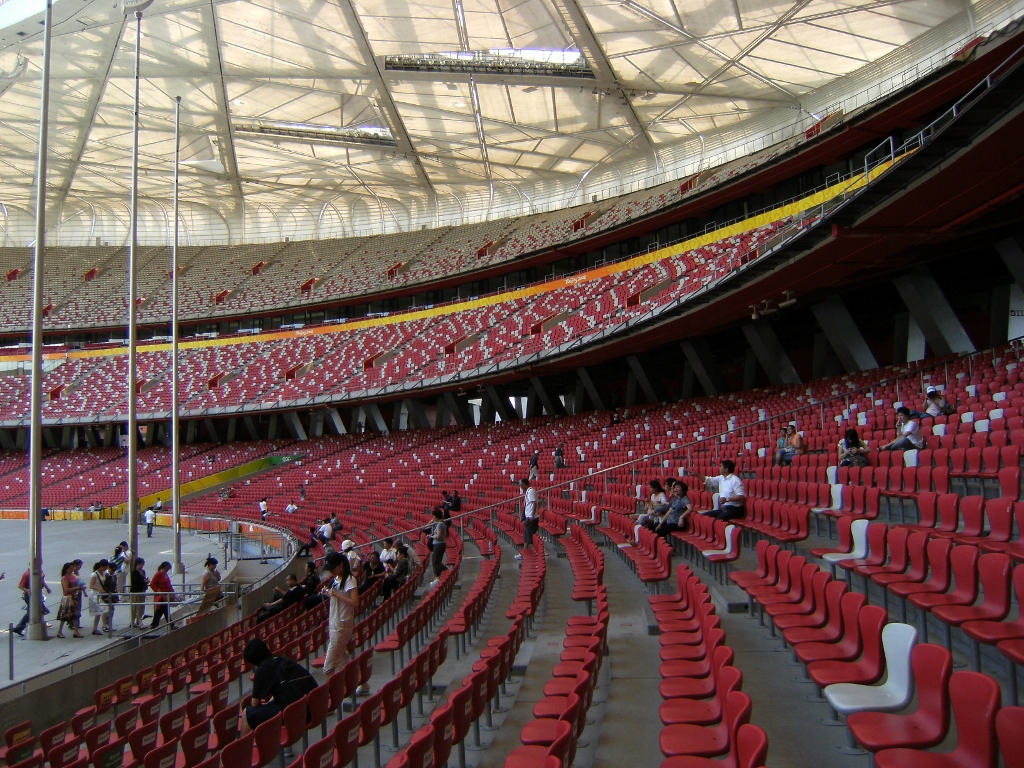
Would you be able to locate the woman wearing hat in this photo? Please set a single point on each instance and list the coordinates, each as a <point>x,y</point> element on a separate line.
<point>792,444</point>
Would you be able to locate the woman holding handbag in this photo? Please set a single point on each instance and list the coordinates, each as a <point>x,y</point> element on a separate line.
<point>70,610</point>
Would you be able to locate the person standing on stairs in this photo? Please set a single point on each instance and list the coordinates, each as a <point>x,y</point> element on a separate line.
<point>439,537</point>
<point>530,520</point>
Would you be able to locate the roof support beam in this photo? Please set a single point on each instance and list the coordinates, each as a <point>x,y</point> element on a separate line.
<point>223,116</point>
<point>108,52</point>
<point>387,104</point>
<point>579,27</point>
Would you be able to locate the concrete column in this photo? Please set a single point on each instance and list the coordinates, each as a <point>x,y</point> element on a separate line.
<point>688,380</point>
<point>65,438</point>
<point>499,399</point>
<point>232,429</point>
<point>211,430</point>
<point>770,354</point>
<point>251,427</point>
<point>190,431</point>
<point>844,335</point>
<point>150,436</point>
<point>824,361</point>
<point>487,411</point>
<point>50,439</point>
<point>699,356</point>
<point>533,405</point>
<point>642,379</point>
<point>458,409</point>
<point>6,440</point>
<point>930,308</point>
<point>552,405</point>
<point>591,388</point>
<point>21,440</point>
<point>1012,254</point>
<point>578,394</point>
<point>357,418</point>
<point>334,421</point>
<point>749,369</point>
<point>908,339</point>
<point>272,427</point>
<point>316,423</point>
<point>294,425</point>
<point>417,416</point>
<point>630,389</point>
<point>399,418</point>
<point>442,415</point>
<point>374,414</point>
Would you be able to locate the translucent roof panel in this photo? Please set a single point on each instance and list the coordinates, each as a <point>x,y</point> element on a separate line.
<point>291,108</point>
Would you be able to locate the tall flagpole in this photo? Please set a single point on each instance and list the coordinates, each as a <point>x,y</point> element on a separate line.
<point>133,425</point>
<point>175,426</point>
<point>36,626</point>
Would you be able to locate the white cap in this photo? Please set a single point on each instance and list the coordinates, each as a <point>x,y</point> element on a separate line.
<point>347,544</point>
<point>792,423</point>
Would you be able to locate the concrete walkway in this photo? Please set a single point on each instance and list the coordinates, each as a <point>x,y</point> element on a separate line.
<point>89,541</point>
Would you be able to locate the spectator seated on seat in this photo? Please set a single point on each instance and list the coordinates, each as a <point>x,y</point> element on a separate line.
<point>908,433</point>
<point>292,594</point>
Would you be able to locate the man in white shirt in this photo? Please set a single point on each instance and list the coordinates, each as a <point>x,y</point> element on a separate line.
<point>908,433</point>
<point>530,520</point>
<point>325,533</point>
<point>149,517</point>
<point>291,509</point>
<point>159,506</point>
<point>732,498</point>
<point>264,510</point>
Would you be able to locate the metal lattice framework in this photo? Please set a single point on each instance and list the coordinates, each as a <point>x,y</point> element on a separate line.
<point>306,118</point>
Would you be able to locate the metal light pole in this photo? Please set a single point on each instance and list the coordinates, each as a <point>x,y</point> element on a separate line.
<point>133,424</point>
<point>175,426</point>
<point>36,626</point>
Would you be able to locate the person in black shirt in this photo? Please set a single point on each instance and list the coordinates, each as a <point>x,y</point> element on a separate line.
<point>560,456</point>
<point>456,502</point>
<point>373,569</point>
<point>276,683</point>
<point>310,582</point>
<point>289,596</point>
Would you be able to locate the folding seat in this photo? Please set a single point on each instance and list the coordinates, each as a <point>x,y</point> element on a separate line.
<point>841,605</point>
<point>864,670</point>
<point>846,698</point>
<point>877,553</point>
<point>702,741</point>
<point>975,699</point>
<point>964,564</point>
<point>937,555</point>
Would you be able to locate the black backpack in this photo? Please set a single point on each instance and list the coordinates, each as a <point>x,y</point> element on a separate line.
<point>293,682</point>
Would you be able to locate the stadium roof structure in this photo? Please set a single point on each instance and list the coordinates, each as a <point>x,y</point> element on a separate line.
<point>324,118</point>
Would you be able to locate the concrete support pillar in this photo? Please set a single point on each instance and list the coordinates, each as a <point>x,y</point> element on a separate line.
<point>643,381</point>
<point>149,436</point>
<point>908,339</point>
<point>211,430</point>
<point>251,427</point>
<point>316,423</point>
<point>930,308</point>
<point>232,429</point>
<point>844,335</point>
<point>417,416</point>
<point>502,406</point>
<point>999,314</point>
<point>272,427</point>
<point>770,354</point>
<point>487,412</point>
<point>190,431</point>
<point>6,440</point>
<point>533,404</point>
<point>630,389</point>
<point>824,361</point>
<point>66,437</point>
<point>458,407</point>
<point>689,378</point>
<point>552,405</point>
<point>441,413</point>
<point>50,438</point>
<point>1012,254</point>
<point>399,418</point>
<point>705,368</point>
<point>578,394</point>
<point>21,439</point>
<point>334,420</point>
<point>591,388</point>
<point>294,425</point>
<point>373,413</point>
<point>749,369</point>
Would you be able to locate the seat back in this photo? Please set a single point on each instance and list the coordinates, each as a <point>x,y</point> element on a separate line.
<point>195,742</point>
<point>898,643</point>
<point>225,725</point>
<point>238,754</point>
<point>462,712</point>
<point>1010,732</point>
<point>346,738</point>
<point>319,701</point>
<point>320,754</point>
<point>370,716</point>
<point>751,746</point>
<point>975,699</point>
<point>420,749</point>
<point>268,740</point>
<point>442,718</point>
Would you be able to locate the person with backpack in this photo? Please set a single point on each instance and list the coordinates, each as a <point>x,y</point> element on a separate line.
<point>277,682</point>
